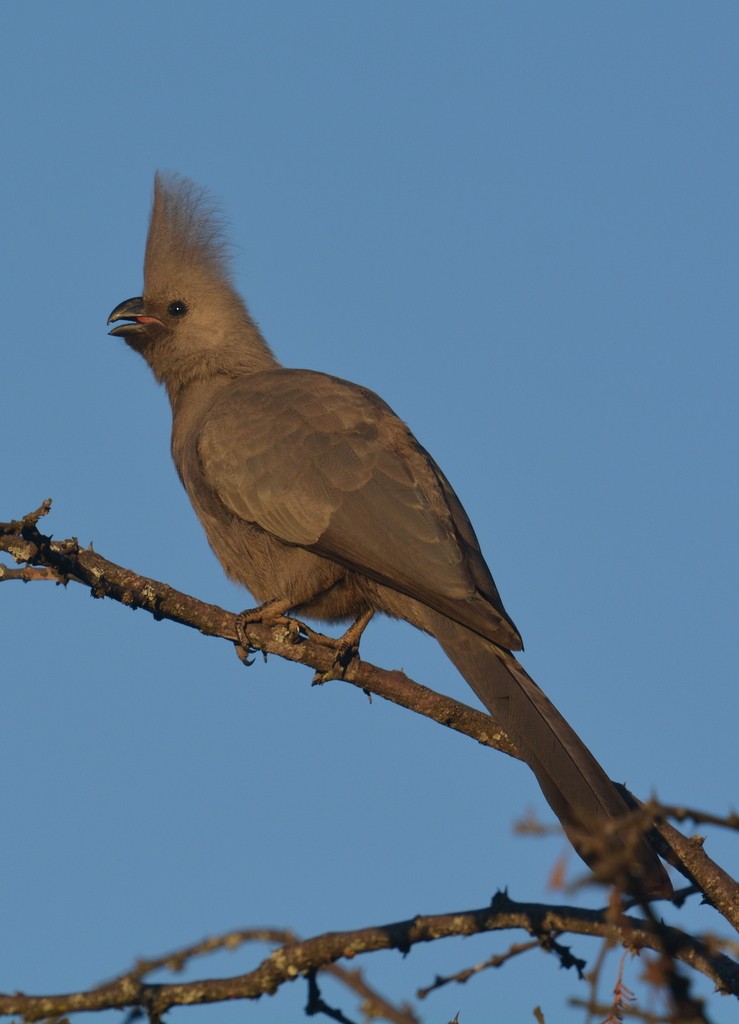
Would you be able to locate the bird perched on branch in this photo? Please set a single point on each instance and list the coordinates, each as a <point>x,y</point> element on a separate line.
<point>319,499</point>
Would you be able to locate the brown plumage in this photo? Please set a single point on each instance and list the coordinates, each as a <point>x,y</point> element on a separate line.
<point>311,491</point>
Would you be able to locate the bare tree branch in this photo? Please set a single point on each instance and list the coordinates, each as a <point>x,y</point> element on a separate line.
<point>72,563</point>
<point>690,857</point>
<point>376,1006</point>
<point>296,642</point>
<point>298,959</point>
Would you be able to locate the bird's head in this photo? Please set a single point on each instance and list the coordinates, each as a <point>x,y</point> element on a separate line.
<point>190,322</point>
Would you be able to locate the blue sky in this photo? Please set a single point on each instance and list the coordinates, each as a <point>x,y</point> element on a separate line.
<point>516,222</point>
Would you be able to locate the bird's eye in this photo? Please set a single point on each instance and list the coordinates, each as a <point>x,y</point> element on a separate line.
<point>177,308</point>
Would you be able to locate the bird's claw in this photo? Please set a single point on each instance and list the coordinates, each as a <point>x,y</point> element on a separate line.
<point>346,649</point>
<point>243,654</point>
<point>271,613</point>
<point>343,657</point>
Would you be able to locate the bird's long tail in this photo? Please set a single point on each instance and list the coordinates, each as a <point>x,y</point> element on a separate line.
<point>577,789</point>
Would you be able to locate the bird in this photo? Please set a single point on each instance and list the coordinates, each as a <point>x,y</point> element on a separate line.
<point>318,499</point>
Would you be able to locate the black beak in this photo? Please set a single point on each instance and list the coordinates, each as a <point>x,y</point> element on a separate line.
<point>132,310</point>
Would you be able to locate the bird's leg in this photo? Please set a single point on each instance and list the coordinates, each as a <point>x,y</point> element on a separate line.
<point>346,647</point>
<point>270,613</point>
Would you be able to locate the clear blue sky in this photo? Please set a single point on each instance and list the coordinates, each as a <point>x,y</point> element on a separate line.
<point>518,223</point>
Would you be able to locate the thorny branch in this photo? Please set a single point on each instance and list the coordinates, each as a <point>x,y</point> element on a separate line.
<point>376,1006</point>
<point>300,959</point>
<point>71,563</point>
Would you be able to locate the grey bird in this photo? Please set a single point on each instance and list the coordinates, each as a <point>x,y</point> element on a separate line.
<point>319,499</point>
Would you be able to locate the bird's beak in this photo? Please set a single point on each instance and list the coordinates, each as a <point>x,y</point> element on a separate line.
<point>132,310</point>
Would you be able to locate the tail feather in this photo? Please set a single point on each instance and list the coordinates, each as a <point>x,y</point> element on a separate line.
<point>573,783</point>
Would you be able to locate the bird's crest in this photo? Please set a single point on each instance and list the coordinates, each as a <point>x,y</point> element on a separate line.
<point>186,235</point>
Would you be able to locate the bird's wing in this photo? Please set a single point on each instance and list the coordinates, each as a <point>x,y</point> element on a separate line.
<point>326,465</point>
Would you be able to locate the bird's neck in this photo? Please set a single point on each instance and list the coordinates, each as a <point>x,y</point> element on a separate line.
<point>212,369</point>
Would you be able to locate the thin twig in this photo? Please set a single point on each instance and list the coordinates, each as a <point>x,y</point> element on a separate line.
<point>681,813</point>
<point>460,977</point>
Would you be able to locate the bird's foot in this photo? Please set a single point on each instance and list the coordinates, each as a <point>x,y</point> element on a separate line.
<point>346,649</point>
<point>271,613</point>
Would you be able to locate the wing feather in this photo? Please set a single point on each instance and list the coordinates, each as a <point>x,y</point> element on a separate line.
<point>324,464</point>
